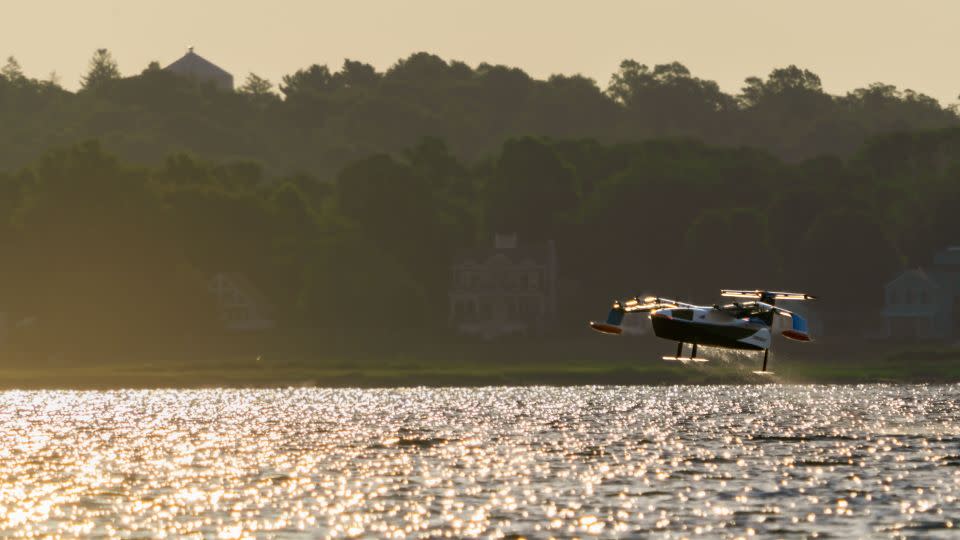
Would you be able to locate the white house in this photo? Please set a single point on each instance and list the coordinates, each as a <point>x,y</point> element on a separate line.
<point>198,67</point>
<point>507,289</point>
<point>925,303</point>
<point>242,307</point>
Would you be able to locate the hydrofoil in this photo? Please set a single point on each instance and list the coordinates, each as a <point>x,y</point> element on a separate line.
<point>685,359</point>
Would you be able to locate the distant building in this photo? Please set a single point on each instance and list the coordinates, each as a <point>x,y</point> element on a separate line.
<point>506,289</point>
<point>925,303</point>
<point>241,305</point>
<point>198,67</point>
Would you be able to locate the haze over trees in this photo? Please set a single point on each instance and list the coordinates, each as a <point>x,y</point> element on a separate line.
<point>319,118</point>
<point>346,194</point>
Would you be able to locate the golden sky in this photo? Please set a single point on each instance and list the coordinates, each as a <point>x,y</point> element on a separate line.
<point>849,43</point>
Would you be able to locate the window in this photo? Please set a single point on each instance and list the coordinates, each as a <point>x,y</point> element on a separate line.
<point>237,315</point>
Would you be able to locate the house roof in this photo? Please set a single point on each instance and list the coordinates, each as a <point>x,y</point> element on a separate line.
<point>243,283</point>
<point>193,63</point>
<point>915,274</point>
<point>538,254</point>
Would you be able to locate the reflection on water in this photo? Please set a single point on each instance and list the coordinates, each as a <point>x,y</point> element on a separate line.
<point>593,461</point>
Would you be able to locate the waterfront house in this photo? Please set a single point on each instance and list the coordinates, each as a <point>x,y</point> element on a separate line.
<point>504,289</point>
<point>924,303</point>
<point>241,305</point>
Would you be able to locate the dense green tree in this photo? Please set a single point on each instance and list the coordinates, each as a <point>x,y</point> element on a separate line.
<point>355,75</point>
<point>729,248</point>
<point>152,67</point>
<point>322,119</point>
<point>377,192</point>
<point>223,231</point>
<point>354,286</point>
<point>256,86</point>
<point>12,71</point>
<point>452,193</point>
<point>881,108</point>
<point>847,256</point>
<point>789,84</point>
<point>313,80</point>
<point>98,258</point>
<point>318,80</point>
<point>429,70</point>
<point>787,112</point>
<point>668,100</point>
<point>103,68</point>
<point>88,230</point>
<point>550,110</point>
<point>531,192</point>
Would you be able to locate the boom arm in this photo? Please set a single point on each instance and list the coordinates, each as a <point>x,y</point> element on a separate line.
<point>650,303</point>
<point>633,305</point>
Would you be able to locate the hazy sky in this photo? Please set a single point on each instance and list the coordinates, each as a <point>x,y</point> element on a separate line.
<point>849,43</point>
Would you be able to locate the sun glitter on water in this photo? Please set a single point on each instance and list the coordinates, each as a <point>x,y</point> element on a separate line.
<point>727,461</point>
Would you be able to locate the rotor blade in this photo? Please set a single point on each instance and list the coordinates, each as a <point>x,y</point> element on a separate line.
<point>792,296</point>
<point>777,295</point>
<point>739,294</point>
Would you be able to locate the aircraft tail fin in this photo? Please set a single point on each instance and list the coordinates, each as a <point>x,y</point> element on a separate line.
<point>798,330</point>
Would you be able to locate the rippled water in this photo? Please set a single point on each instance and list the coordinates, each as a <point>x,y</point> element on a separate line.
<point>722,461</point>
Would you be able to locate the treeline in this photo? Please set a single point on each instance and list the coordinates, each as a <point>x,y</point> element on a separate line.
<point>100,253</point>
<point>318,119</point>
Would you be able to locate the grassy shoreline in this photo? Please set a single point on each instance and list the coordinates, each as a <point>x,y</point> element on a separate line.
<point>244,373</point>
<point>560,363</point>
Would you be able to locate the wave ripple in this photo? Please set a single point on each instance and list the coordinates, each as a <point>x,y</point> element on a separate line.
<point>725,461</point>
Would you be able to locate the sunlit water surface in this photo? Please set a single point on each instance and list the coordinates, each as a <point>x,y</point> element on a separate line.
<point>727,461</point>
